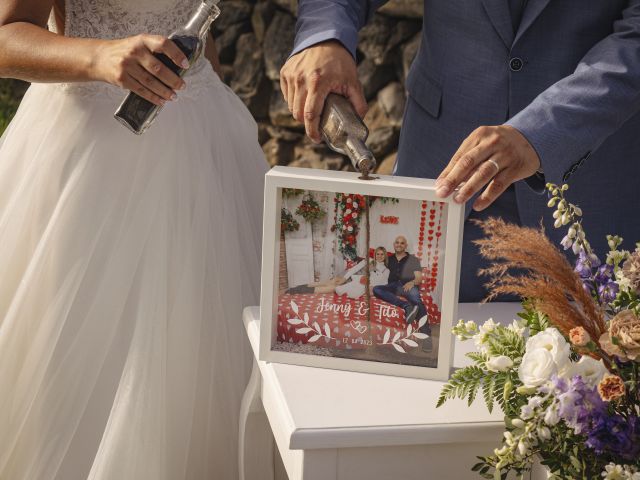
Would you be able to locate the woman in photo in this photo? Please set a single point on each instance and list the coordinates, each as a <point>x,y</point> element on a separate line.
<point>126,260</point>
<point>379,272</point>
<point>378,275</point>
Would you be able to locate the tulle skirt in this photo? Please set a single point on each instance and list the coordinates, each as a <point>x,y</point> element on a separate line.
<point>125,262</point>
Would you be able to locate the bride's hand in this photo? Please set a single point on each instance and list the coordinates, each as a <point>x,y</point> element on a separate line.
<point>130,63</point>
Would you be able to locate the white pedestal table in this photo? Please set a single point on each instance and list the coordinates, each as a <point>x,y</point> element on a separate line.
<point>337,425</point>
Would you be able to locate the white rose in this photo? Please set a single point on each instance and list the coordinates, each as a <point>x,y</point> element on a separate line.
<point>501,363</point>
<point>552,341</point>
<point>590,370</point>
<point>537,367</point>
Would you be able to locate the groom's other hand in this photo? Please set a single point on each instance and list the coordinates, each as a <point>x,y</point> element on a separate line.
<point>310,75</point>
<point>494,157</point>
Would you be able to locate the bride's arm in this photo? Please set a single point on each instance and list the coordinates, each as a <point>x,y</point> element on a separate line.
<point>30,52</point>
<point>211,54</point>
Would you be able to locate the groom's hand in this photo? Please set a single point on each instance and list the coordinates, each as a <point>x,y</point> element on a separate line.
<point>309,76</point>
<point>494,157</point>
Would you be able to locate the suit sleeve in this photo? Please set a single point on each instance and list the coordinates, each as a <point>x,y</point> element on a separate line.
<point>570,119</point>
<point>322,20</point>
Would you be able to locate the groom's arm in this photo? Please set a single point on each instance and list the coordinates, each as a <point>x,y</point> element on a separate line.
<point>322,20</point>
<point>561,127</point>
<point>572,118</point>
<point>323,59</point>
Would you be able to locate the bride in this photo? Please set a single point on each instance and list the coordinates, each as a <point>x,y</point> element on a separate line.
<point>125,260</point>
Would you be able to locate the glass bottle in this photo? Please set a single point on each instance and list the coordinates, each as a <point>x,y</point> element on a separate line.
<point>345,132</point>
<point>137,113</point>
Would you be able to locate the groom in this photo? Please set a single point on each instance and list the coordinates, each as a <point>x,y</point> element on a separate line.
<point>503,96</point>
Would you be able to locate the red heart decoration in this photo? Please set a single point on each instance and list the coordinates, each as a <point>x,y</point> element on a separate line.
<point>431,231</point>
<point>431,224</point>
<point>438,234</point>
<point>422,223</point>
<point>430,238</point>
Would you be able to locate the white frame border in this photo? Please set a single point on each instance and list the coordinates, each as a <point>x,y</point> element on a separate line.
<point>385,186</point>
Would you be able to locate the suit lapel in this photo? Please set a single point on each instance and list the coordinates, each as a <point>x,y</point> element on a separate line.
<point>498,12</point>
<point>532,10</point>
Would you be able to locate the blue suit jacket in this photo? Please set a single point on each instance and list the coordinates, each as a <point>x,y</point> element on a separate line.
<point>568,79</point>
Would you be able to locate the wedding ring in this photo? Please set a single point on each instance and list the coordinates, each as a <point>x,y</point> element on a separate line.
<point>495,164</point>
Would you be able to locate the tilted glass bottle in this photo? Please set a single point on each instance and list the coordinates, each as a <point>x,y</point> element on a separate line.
<point>346,133</point>
<point>137,113</point>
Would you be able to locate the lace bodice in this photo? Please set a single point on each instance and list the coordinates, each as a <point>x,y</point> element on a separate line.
<point>112,19</point>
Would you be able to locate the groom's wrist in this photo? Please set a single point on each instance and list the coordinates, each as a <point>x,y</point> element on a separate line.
<point>348,40</point>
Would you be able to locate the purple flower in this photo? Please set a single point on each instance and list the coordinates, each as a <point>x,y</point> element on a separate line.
<point>588,285</point>
<point>616,435</point>
<point>594,260</point>
<point>580,404</point>
<point>582,409</point>
<point>608,292</point>
<point>604,274</point>
<point>583,267</point>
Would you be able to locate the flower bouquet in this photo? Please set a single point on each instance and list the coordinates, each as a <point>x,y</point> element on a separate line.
<point>566,374</point>
<point>310,209</point>
<point>287,222</point>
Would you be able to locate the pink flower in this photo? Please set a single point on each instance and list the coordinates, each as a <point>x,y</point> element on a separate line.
<point>579,336</point>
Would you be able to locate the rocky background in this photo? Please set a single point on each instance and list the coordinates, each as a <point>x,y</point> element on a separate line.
<point>254,38</point>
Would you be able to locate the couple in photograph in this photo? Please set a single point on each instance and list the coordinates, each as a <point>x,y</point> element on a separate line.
<point>403,287</point>
<point>394,279</point>
<point>126,260</point>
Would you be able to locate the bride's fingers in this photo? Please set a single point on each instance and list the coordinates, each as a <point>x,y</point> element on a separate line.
<point>156,68</point>
<point>135,86</point>
<point>159,44</point>
<point>151,83</point>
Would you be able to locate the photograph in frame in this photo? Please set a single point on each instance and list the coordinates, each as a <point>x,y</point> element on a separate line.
<point>359,275</point>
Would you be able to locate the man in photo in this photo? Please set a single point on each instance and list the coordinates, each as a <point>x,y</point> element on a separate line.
<point>405,275</point>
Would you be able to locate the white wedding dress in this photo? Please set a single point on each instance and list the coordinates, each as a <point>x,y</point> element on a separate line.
<point>125,262</point>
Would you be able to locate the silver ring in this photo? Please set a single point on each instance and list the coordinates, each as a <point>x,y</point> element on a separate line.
<point>495,164</point>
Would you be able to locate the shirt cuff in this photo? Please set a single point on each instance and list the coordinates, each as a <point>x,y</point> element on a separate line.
<point>348,39</point>
<point>537,182</point>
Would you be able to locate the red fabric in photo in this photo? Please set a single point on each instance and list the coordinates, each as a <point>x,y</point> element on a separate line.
<point>346,317</point>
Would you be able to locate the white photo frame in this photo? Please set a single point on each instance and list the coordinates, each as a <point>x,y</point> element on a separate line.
<point>311,324</point>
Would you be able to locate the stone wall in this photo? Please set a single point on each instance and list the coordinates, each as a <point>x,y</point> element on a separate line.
<point>254,40</point>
